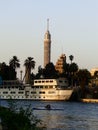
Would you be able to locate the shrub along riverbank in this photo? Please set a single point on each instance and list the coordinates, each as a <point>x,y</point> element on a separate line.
<point>23,119</point>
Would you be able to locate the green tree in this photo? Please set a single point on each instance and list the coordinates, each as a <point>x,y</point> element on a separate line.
<point>4,71</point>
<point>14,62</point>
<point>70,72</point>
<point>49,71</point>
<point>66,69</point>
<point>7,72</point>
<point>84,77</point>
<point>29,65</point>
<point>71,57</point>
<point>20,119</point>
<point>73,68</point>
<point>40,73</point>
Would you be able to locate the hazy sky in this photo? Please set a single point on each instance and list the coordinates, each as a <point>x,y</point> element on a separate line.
<point>73,26</point>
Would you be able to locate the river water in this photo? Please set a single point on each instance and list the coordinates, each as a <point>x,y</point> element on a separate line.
<point>65,115</point>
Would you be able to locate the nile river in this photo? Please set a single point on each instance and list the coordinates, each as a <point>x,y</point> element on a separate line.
<point>71,116</point>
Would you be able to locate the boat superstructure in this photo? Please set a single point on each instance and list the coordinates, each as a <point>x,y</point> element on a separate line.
<point>40,89</point>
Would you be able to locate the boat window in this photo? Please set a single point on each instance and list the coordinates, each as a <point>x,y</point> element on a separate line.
<point>27,92</point>
<point>37,86</point>
<point>46,86</point>
<point>41,86</point>
<point>43,81</point>
<point>33,92</point>
<point>20,92</point>
<point>60,81</point>
<point>50,86</point>
<point>35,81</point>
<point>65,81</point>
<point>39,81</point>
<point>47,81</point>
<point>19,86</point>
<point>5,92</point>
<point>42,92</point>
<point>51,80</point>
<point>12,92</point>
<point>51,92</point>
<point>56,86</point>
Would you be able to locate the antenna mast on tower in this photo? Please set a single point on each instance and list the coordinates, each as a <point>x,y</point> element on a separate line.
<point>47,24</point>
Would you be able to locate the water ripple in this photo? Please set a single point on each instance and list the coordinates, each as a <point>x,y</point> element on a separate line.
<point>74,116</point>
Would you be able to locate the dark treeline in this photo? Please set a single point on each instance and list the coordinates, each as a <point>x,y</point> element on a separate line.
<point>71,71</point>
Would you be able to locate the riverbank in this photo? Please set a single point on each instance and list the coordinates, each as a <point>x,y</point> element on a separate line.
<point>89,100</point>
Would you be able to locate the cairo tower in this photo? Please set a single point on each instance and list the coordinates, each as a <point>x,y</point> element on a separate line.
<point>47,46</point>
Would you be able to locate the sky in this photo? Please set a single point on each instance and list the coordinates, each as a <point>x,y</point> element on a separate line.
<point>73,25</point>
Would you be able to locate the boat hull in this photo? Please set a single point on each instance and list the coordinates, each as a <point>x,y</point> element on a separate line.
<point>42,89</point>
<point>58,95</point>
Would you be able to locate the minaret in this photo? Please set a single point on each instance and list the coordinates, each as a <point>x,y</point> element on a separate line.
<point>47,45</point>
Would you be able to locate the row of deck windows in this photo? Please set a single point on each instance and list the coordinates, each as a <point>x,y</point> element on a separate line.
<point>10,83</point>
<point>49,81</point>
<point>16,87</point>
<point>7,86</point>
<point>12,92</point>
<point>22,97</point>
<point>33,92</point>
<point>42,86</point>
<point>43,81</point>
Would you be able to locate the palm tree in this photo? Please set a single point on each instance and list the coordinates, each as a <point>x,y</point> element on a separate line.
<point>14,62</point>
<point>73,68</point>
<point>71,57</point>
<point>29,64</point>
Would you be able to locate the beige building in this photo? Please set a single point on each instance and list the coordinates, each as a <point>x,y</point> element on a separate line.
<point>93,71</point>
<point>47,46</point>
<point>60,62</point>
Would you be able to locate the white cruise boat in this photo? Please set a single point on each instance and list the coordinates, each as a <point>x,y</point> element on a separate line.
<point>41,89</point>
